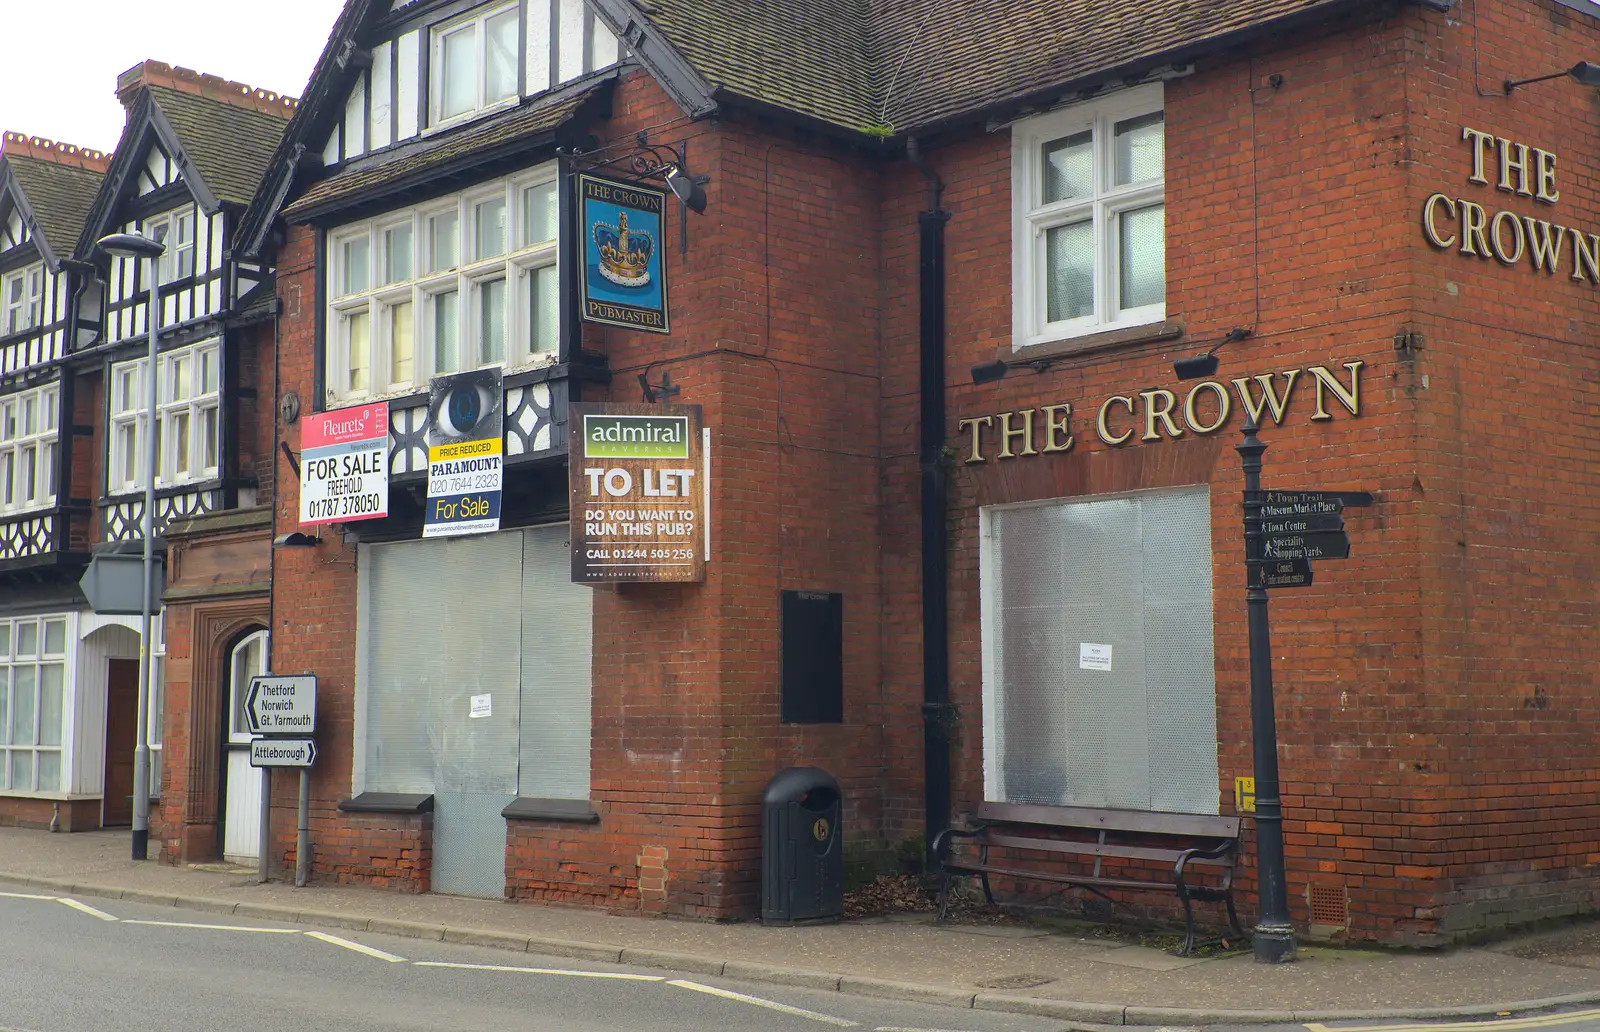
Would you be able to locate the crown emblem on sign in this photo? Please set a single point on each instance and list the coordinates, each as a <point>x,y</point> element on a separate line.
<point>624,254</point>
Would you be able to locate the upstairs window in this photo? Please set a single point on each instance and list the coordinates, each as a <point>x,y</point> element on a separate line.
<point>473,65</point>
<point>22,300</point>
<point>188,391</point>
<point>460,283</point>
<point>176,230</point>
<point>29,423</point>
<point>1089,218</point>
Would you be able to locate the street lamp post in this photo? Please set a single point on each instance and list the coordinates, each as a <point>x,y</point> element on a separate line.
<point>132,245</point>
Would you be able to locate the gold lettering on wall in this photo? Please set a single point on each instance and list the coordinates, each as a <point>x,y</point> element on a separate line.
<point>1205,409</point>
<point>1100,420</point>
<point>1056,419</point>
<point>1430,215</point>
<point>1008,434</point>
<point>977,423</point>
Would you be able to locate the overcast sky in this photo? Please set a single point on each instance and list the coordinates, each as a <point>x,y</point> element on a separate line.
<point>58,78</point>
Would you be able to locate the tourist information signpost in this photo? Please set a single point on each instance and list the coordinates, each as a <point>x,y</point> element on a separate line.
<point>1283,532</point>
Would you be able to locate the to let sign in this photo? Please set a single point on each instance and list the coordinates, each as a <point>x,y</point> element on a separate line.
<point>283,752</point>
<point>638,493</point>
<point>344,465</point>
<point>282,704</point>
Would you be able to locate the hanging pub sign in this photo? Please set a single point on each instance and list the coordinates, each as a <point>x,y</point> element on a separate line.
<point>624,267</point>
<point>466,445</point>
<point>638,491</point>
<point>344,465</point>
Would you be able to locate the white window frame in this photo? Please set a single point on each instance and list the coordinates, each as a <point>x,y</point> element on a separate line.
<point>27,311</point>
<point>1031,218</point>
<point>129,412</point>
<point>478,22</point>
<point>11,659</point>
<point>176,229</point>
<point>22,449</point>
<point>522,259</point>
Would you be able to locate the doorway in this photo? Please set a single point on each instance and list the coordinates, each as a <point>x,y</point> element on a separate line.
<point>122,720</point>
<point>241,789</point>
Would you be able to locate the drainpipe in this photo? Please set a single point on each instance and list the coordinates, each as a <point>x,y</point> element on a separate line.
<point>937,714</point>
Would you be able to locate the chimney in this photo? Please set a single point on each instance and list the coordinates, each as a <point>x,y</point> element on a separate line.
<point>23,145</point>
<point>226,91</point>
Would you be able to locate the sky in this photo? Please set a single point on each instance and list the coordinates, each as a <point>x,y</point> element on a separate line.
<point>58,78</point>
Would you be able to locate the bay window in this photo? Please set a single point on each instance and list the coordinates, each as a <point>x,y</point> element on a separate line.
<point>29,433</point>
<point>1089,226</point>
<point>460,283</point>
<point>33,660</point>
<point>188,421</point>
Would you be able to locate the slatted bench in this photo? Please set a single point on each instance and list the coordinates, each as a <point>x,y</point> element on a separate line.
<point>1202,851</point>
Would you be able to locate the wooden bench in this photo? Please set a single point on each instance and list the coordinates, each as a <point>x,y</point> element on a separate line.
<point>1082,839</point>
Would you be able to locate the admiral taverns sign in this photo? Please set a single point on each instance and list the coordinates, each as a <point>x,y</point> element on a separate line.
<point>1158,413</point>
<point>624,266</point>
<point>638,490</point>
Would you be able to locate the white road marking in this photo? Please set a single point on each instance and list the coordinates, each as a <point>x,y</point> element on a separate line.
<point>1539,1021</point>
<point>215,927</point>
<point>783,1008</point>
<point>85,908</point>
<point>356,946</point>
<point>897,1028</point>
<point>24,895</point>
<point>619,975</point>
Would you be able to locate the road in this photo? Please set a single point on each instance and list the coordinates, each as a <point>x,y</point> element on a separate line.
<point>92,965</point>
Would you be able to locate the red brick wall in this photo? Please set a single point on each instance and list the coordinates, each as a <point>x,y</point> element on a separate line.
<point>1433,718</point>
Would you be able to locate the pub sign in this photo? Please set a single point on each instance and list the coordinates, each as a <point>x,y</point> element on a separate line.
<point>624,277</point>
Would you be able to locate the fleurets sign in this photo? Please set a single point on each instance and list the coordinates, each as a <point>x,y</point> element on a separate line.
<point>638,493</point>
<point>344,466</point>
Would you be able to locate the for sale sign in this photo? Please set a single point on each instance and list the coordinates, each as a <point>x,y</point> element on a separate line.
<point>344,465</point>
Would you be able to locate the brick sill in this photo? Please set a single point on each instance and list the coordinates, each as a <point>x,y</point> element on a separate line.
<point>573,811</point>
<point>1105,340</point>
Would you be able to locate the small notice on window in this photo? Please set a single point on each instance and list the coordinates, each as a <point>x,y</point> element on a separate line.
<point>482,706</point>
<point>1094,657</point>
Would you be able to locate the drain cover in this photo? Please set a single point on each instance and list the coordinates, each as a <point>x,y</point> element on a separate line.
<point>1015,982</point>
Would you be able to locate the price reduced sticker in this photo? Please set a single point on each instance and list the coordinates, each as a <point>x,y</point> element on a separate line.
<point>344,465</point>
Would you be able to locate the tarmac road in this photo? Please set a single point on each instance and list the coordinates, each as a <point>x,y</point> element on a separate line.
<point>92,965</point>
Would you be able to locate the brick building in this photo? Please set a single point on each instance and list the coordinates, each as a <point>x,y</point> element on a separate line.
<point>74,441</point>
<point>905,204</point>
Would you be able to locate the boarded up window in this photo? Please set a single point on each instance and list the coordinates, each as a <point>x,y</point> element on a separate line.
<point>1099,683</point>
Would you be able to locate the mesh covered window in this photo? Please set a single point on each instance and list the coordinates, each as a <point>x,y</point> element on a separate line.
<point>1132,573</point>
<point>446,623</point>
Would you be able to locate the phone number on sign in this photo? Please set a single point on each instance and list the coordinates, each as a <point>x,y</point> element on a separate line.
<point>349,505</point>
<point>464,484</point>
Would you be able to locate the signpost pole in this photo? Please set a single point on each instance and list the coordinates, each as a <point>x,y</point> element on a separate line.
<point>302,841</point>
<point>266,825</point>
<point>1273,937</point>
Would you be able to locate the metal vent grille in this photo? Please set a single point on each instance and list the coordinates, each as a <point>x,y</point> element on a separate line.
<point>1330,905</point>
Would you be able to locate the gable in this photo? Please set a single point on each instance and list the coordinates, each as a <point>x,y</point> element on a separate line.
<point>394,98</point>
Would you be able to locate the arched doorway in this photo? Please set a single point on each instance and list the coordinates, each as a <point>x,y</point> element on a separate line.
<point>241,787</point>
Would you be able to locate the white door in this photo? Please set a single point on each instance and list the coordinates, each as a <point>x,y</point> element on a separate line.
<point>241,829</point>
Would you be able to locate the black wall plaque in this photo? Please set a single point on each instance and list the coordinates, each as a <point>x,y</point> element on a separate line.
<point>813,657</point>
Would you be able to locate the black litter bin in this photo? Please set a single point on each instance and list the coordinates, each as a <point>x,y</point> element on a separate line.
<point>802,850</point>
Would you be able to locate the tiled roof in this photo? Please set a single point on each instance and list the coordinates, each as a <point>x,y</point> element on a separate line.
<point>229,144</point>
<point>60,196</point>
<point>897,65</point>
<point>387,174</point>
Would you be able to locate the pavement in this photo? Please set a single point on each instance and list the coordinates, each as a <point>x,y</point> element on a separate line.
<point>998,967</point>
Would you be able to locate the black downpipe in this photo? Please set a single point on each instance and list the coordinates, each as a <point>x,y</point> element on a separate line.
<point>937,713</point>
